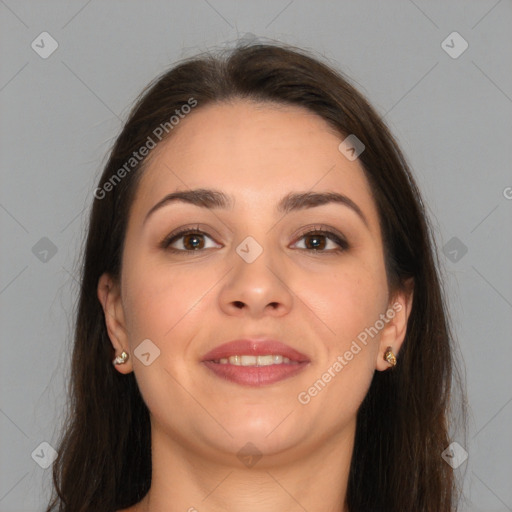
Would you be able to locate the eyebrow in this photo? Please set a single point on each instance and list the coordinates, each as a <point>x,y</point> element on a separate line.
<point>294,201</point>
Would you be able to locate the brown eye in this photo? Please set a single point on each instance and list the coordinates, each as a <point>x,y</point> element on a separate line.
<point>193,241</point>
<point>188,241</point>
<point>321,240</point>
<point>315,241</point>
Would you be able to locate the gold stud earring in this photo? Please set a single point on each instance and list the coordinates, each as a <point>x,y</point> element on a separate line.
<point>390,357</point>
<point>120,359</point>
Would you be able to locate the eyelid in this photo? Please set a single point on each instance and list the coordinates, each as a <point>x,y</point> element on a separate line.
<point>329,232</point>
<point>336,236</point>
<point>184,230</point>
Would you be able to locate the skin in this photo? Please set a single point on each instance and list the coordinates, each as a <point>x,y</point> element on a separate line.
<point>190,302</point>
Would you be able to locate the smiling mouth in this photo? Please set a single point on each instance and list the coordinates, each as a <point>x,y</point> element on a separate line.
<point>257,361</point>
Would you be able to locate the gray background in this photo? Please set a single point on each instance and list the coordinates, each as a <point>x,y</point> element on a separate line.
<point>59,116</point>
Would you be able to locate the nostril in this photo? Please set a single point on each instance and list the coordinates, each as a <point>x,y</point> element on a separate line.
<point>239,304</point>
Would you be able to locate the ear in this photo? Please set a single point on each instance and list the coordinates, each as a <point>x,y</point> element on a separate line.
<point>109,295</point>
<point>396,317</point>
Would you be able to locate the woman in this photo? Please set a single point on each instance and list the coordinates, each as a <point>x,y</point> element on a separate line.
<point>260,270</point>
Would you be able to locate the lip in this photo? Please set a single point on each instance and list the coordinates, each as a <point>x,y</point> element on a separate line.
<point>255,376</point>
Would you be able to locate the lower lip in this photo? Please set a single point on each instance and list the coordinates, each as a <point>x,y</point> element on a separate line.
<point>255,376</point>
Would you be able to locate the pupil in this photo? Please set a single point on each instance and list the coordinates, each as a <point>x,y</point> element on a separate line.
<point>193,241</point>
<point>317,241</point>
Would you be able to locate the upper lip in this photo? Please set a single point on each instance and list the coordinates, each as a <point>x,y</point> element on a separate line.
<point>255,348</point>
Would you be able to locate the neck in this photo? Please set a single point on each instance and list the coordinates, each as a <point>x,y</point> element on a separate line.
<point>183,480</point>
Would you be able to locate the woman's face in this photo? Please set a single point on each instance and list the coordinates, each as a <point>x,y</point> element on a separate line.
<point>249,270</point>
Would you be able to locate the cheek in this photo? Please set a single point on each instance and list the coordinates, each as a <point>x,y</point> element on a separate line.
<point>349,299</point>
<point>163,304</point>
<point>160,300</point>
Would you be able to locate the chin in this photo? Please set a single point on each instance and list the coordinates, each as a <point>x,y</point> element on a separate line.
<point>269,433</point>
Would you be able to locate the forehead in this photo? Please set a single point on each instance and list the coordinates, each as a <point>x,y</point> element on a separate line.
<point>254,152</point>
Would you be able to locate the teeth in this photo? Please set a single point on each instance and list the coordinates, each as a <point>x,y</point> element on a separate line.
<point>246,360</point>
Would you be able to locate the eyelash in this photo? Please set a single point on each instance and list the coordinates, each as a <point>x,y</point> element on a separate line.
<point>317,230</point>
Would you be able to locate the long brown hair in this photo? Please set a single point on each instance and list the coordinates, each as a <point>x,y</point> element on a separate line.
<point>104,461</point>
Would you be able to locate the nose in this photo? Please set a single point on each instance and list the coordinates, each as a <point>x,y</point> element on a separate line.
<point>256,289</point>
